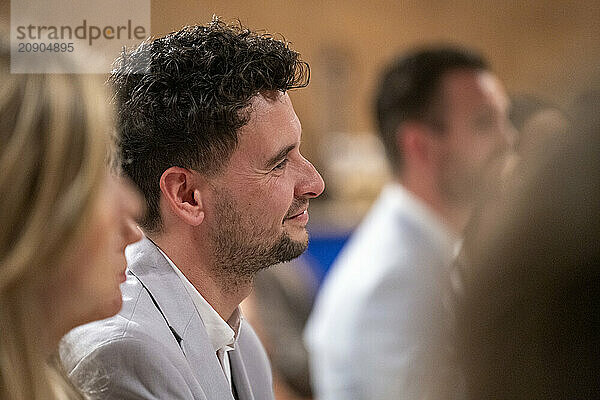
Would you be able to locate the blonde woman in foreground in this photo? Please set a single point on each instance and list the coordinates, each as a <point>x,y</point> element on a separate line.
<point>64,224</point>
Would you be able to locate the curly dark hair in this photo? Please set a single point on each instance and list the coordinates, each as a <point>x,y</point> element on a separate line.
<point>409,90</point>
<point>182,98</point>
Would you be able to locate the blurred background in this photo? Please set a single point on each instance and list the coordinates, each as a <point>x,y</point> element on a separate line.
<point>548,49</point>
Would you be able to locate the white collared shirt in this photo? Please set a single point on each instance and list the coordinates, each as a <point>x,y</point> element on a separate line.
<point>379,315</point>
<point>222,335</point>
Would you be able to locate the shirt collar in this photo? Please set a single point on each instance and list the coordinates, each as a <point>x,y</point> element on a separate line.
<point>222,335</point>
<point>418,210</point>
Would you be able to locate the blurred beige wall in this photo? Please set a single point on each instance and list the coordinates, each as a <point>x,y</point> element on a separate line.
<point>546,47</point>
<point>549,48</point>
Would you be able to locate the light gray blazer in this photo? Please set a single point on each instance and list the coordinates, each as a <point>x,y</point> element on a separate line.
<point>157,346</point>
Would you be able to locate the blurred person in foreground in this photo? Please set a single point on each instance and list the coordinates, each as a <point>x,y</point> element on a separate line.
<point>527,323</point>
<point>376,330</point>
<point>64,223</point>
<point>535,120</point>
<point>208,133</point>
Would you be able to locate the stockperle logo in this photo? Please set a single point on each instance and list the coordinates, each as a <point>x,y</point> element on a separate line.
<point>90,33</point>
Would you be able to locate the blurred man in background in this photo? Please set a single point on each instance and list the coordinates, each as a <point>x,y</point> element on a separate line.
<point>378,325</point>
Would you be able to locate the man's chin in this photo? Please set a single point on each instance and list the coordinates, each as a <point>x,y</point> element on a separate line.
<point>298,234</point>
<point>291,247</point>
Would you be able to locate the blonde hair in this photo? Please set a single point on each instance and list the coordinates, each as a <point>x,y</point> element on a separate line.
<point>52,161</point>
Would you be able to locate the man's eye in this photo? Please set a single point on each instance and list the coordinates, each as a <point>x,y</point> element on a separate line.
<point>281,165</point>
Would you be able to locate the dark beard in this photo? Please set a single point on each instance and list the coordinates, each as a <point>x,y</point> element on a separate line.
<point>239,253</point>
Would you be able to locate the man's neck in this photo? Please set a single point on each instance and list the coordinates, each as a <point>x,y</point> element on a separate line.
<point>195,262</point>
<point>453,216</point>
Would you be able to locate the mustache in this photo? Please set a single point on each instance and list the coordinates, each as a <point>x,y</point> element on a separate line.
<point>297,205</point>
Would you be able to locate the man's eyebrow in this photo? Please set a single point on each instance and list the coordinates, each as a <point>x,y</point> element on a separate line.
<point>280,155</point>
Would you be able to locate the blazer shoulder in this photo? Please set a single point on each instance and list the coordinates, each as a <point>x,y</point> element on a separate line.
<point>138,317</point>
<point>126,367</point>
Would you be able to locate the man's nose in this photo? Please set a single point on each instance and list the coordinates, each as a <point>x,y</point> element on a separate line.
<point>311,183</point>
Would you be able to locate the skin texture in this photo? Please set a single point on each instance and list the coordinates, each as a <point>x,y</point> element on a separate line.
<point>264,184</point>
<point>95,262</point>
<point>221,230</point>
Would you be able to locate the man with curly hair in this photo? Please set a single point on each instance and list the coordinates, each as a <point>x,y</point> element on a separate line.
<point>208,133</point>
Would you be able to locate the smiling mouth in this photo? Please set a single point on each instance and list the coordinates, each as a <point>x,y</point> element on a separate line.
<point>297,214</point>
<point>300,207</point>
<point>301,214</point>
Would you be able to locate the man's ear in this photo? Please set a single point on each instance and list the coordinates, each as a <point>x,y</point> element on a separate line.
<point>181,190</point>
<point>418,145</point>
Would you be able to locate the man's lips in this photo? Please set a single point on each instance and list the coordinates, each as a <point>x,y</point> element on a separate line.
<point>298,213</point>
<point>298,218</point>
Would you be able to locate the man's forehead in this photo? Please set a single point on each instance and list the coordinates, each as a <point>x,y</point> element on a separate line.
<point>264,103</point>
<point>273,125</point>
<point>268,109</point>
<point>474,88</point>
<point>492,86</point>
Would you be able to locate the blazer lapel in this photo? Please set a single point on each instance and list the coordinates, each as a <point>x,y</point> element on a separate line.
<point>172,299</point>
<point>203,360</point>
<point>239,376</point>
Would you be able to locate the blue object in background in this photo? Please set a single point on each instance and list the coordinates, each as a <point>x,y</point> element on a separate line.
<point>322,251</point>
